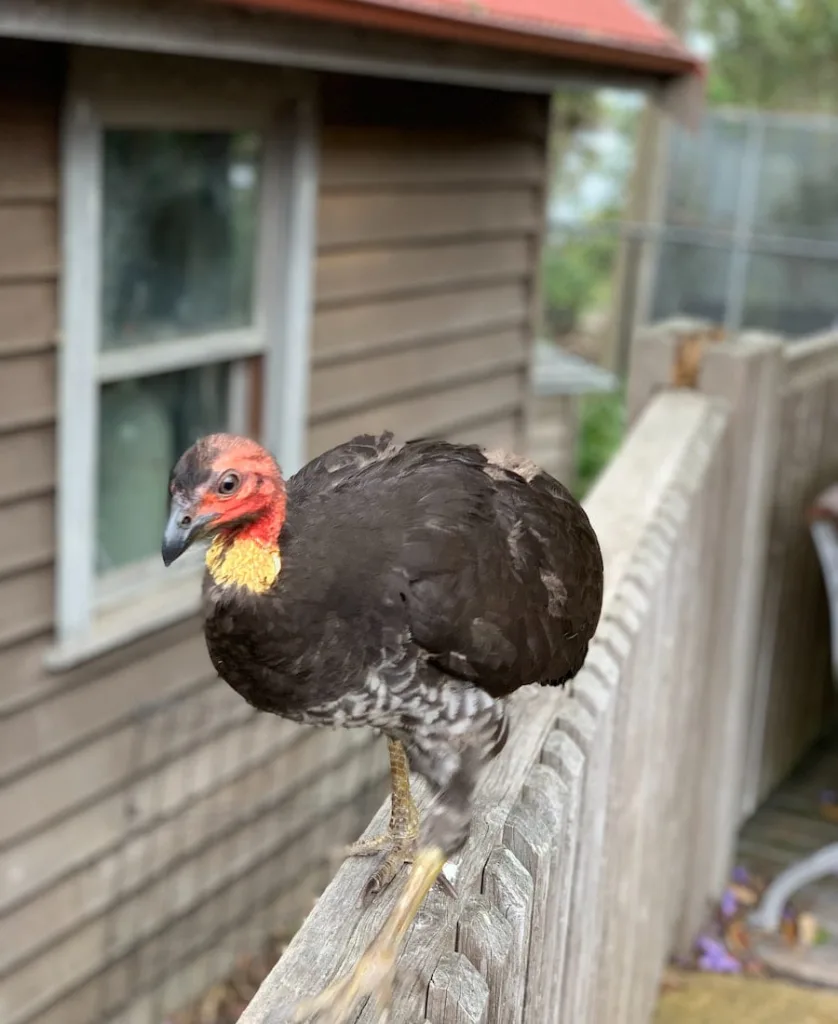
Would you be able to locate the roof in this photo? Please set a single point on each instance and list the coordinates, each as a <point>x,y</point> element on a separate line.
<point>611,31</point>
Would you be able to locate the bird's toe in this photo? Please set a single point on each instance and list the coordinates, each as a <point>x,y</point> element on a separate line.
<point>372,978</point>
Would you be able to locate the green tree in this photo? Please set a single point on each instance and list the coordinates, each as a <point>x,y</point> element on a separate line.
<point>774,54</point>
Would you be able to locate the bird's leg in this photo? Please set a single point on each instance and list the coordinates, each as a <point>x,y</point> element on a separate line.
<point>399,841</point>
<point>403,829</point>
<point>445,831</point>
<point>374,973</point>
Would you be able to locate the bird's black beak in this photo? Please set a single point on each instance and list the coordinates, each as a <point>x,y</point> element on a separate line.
<point>181,530</point>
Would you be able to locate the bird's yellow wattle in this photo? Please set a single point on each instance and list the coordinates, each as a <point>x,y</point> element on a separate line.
<point>243,563</point>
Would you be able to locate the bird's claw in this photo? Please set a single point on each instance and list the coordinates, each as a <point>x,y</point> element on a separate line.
<point>400,850</point>
<point>372,979</point>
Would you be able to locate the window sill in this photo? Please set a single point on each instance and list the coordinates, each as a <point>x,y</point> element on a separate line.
<point>119,626</point>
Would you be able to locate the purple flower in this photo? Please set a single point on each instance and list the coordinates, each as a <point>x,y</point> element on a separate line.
<point>728,904</point>
<point>715,957</point>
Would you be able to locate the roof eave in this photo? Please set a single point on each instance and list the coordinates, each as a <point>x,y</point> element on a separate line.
<point>665,61</point>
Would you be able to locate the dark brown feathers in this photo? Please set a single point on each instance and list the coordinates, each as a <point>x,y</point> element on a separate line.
<point>405,565</point>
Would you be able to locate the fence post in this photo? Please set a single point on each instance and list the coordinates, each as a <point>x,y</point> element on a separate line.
<point>749,375</point>
<point>666,354</point>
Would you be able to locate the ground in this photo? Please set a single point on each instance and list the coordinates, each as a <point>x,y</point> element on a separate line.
<point>738,977</point>
<point>720,999</point>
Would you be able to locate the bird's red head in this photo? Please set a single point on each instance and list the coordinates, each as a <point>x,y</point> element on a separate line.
<point>228,487</point>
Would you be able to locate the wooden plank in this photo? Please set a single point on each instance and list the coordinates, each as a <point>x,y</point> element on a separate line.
<point>430,414</point>
<point>26,538</point>
<point>750,377</point>
<point>377,379</point>
<point>106,701</point>
<point>354,156</point>
<point>790,656</point>
<point>490,433</point>
<point>28,240</point>
<point>28,148</point>
<point>27,390</point>
<point>184,739</point>
<point>344,334</point>
<point>22,668</point>
<point>163,908</point>
<point>508,887</point>
<point>144,861</point>
<point>457,994</point>
<point>26,604</point>
<point>812,360</point>
<point>529,836</point>
<point>347,219</point>
<point>352,275</point>
<point>27,462</point>
<point>28,315</point>
<point>486,938</point>
<point>567,760</point>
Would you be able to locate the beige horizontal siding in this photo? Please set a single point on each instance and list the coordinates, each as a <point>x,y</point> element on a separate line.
<point>434,415</point>
<point>492,432</point>
<point>201,847</point>
<point>354,219</point>
<point>26,603</point>
<point>27,536</point>
<point>365,274</point>
<point>27,461</point>
<point>28,315</point>
<point>344,333</point>
<point>369,382</point>
<point>28,239</point>
<point>27,391</point>
<point>416,157</point>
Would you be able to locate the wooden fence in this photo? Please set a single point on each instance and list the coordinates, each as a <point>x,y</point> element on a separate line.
<point>609,821</point>
<point>785,652</point>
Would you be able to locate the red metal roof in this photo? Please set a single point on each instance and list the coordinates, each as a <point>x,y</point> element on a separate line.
<point>609,31</point>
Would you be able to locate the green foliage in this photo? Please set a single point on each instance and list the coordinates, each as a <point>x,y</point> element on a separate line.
<point>601,430</point>
<point>776,55</point>
<point>575,275</point>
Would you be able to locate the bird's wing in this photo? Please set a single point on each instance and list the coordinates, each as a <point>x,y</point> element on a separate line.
<point>327,470</point>
<point>504,587</point>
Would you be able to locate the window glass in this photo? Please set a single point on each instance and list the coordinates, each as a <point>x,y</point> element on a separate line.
<point>179,233</point>
<point>145,424</point>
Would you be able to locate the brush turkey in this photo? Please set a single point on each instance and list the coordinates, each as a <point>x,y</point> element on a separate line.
<point>409,587</point>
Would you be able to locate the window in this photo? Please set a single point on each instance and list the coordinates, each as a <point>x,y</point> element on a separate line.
<point>188,242</point>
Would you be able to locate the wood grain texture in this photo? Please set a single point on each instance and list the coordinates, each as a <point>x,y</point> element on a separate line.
<point>28,316</point>
<point>508,888</point>
<point>457,994</point>
<point>485,938</point>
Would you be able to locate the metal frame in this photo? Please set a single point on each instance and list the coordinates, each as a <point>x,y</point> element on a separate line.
<point>280,333</point>
<point>740,239</point>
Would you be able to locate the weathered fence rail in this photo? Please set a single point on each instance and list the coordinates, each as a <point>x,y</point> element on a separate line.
<point>793,445</point>
<point>599,832</point>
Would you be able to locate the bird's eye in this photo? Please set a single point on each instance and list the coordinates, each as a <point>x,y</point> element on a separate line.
<point>229,484</point>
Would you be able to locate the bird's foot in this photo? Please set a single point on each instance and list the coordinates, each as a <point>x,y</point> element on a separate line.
<point>399,847</point>
<point>372,978</point>
<point>375,972</point>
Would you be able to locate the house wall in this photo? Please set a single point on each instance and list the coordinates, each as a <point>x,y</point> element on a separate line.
<point>149,821</point>
<point>429,236</point>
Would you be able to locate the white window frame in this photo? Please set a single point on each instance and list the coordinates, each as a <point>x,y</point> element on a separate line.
<point>94,615</point>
